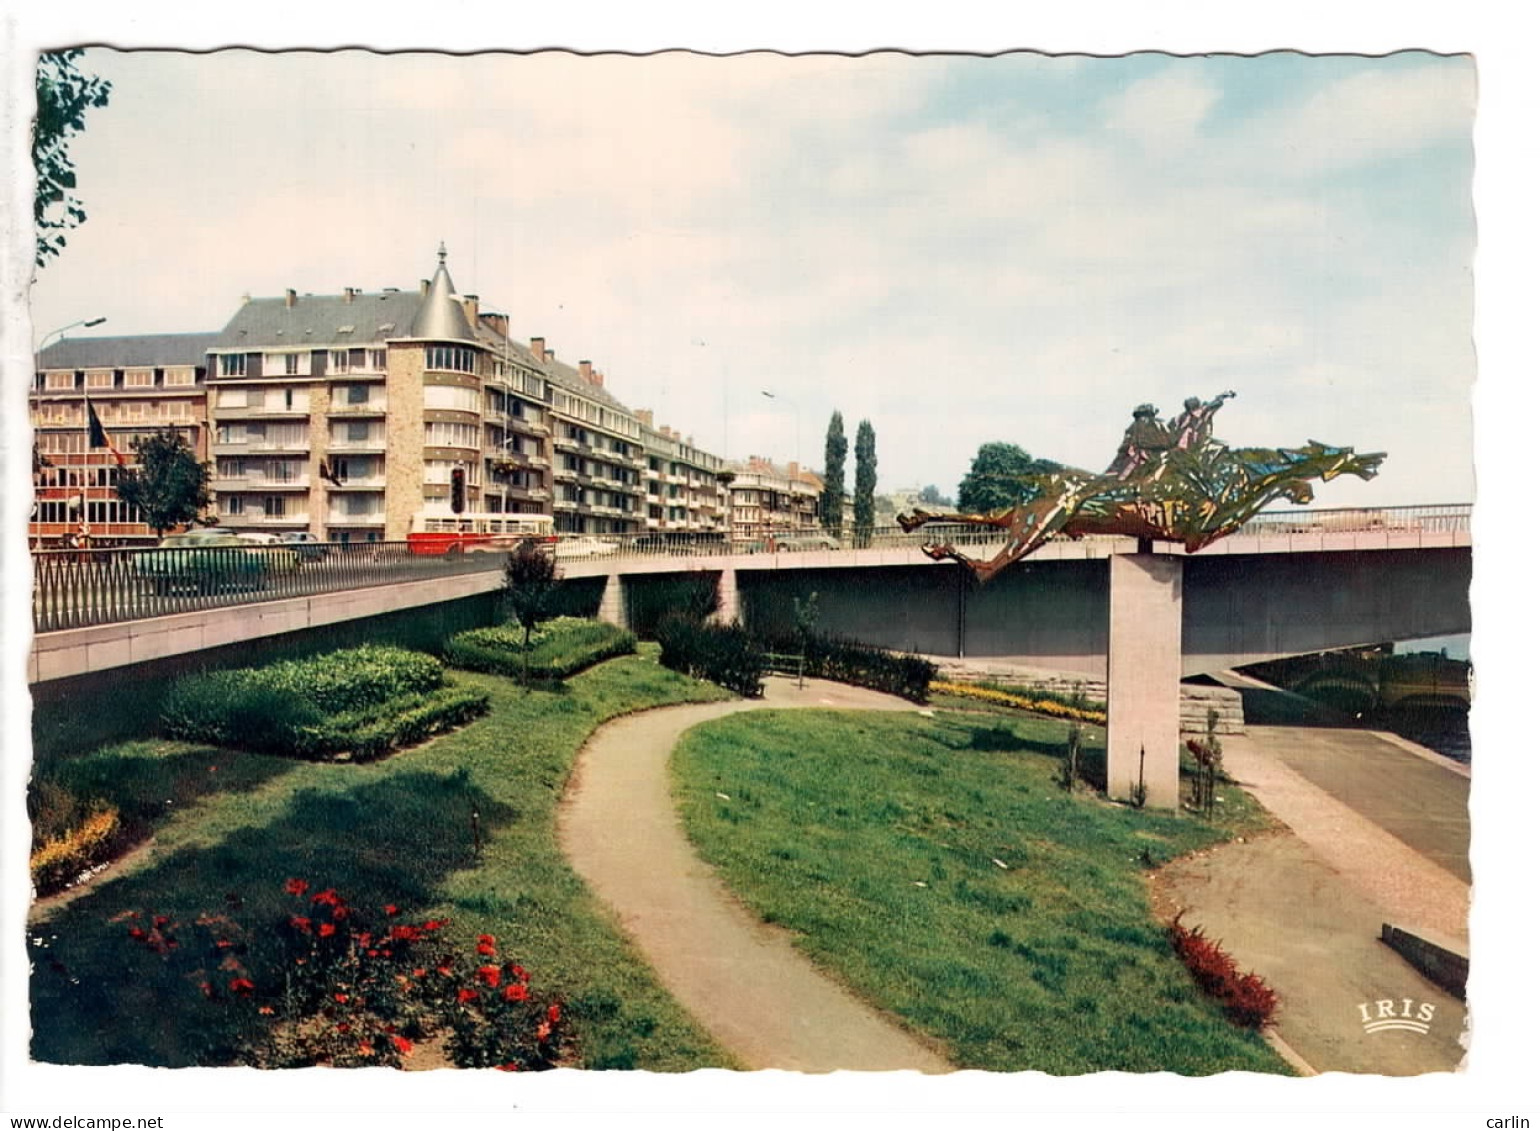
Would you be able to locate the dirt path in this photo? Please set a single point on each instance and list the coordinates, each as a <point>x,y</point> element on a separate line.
<point>741,978</point>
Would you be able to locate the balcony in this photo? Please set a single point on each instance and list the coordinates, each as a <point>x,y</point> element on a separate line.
<point>362,518</point>
<point>359,483</point>
<point>343,410</point>
<point>374,444</point>
<point>225,485</point>
<point>259,519</point>
<point>298,446</point>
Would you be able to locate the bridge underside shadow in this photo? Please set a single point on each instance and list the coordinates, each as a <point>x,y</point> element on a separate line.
<point>1236,609</point>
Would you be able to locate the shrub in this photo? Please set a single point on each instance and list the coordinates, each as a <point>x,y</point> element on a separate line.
<point>364,700</point>
<point>724,654</point>
<point>562,648</point>
<point>1052,706</point>
<point>61,859</point>
<point>859,664</point>
<point>1247,1000</point>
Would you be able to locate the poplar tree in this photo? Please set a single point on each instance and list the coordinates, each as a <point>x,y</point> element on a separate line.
<point>866,482</point>
<point>831,504</point>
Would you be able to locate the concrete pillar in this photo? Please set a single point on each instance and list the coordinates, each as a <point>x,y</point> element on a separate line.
<point>1144,672</point>
<point>727,597</point>
<point>612,603</point>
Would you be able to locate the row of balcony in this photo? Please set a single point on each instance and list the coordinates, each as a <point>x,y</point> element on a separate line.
<point>297,520</point>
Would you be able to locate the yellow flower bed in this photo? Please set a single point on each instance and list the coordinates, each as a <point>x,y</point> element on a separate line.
<point>63,858</point>
<point>1049,707</point>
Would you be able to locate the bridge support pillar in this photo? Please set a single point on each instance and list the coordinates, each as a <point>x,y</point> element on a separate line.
<point>1144,671</point>
<point>612,603</point>
<point>727,597</point>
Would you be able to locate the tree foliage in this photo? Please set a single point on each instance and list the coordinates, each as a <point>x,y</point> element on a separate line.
<point>530,581</point>
<point>866,480</point>
<point>63,97</point>
<point>994,481</point>
<point>170,486</point>
<point>831,504</point>
<point>931,495</point>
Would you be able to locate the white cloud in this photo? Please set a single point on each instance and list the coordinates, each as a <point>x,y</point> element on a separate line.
<point>1163,111</point>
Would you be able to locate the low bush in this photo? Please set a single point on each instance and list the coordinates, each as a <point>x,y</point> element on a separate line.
<point>559,649</point>
<point>859,664</point>
<point>61,859</point>
<point>724,654</point>
<point>1053,706</point>
<point>1247,1000</point>
<point>361,702</point>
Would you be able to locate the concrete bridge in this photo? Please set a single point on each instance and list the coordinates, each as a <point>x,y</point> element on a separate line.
<point>1286,584</point>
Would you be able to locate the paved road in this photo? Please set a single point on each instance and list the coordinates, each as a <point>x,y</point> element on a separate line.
<point>743,979</point>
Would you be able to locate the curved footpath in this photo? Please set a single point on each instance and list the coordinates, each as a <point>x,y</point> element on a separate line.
<point>741,978</point>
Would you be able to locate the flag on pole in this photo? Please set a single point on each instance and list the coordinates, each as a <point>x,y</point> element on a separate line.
<point>329,475</point>
<point>97,435</point>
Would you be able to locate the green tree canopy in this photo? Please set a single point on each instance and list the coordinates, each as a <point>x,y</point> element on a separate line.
<point>866,480</point>
<point>831,504</point>
<point>63,97</point>
<point>530,582</point>
<point>170,486</point>
<point>994,481</point>
<point>931,495</point>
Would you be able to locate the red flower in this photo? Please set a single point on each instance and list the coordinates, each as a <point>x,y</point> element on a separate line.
<point>365,1048</point>
<point>326,930</point>
<point>405,934</point>
<point>435,924</point>
<point>162,920</point>
<point>223,944</point>
<point>486,944</point>
<point>265,1010</point>
<point>340,997</point>
<point>466,994</point>
<point>329,897</point>
<point>520,973</point>
<point>339,913</point>
<point>515,992</point>
<point>491,975</point>
<point>543,1030</point>
<point>419,972</point>
<point>553,1014</point>
<point>208,990</point>
<point>446,970</point>
<point>296,887</point>
<point>392,909</point>
<point>509,1067</point>
<point>136,932</point>
<point>300,923</point>
<point>403,1046</point>
<point>242,986</point>
<point>372,953</point>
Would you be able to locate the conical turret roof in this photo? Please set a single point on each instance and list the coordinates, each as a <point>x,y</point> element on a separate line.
<point>441,316</point>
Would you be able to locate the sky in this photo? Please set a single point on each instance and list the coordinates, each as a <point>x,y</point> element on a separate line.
<point>961,249</point>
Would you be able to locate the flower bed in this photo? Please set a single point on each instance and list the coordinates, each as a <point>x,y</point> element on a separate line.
<point>1050,707</point>
<point>558,650</point>
<point>1247,999</point>
<point>61,859</point>
<point>359,703</point>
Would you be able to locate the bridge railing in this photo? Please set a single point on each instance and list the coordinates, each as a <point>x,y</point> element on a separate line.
<point>82,588</point>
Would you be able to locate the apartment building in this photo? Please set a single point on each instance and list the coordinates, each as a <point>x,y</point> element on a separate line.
<point>768,500</point>
<point>685,487</point>
<point>137,385</point>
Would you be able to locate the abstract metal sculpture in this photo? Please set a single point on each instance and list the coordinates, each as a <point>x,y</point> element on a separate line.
<point>1169,482</point>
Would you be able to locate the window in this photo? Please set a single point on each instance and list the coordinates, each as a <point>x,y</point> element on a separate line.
<point>138,378</point>
<point>337,362</point>
<point>272,505</point>
<point>341,468</point>
<point>450,397</point>
<point>232,398</point>
<point>441,434</point>
<point>357,431</point>
<point>59,381</point>
<point>99,379</point>
<point>455,359</point>
<point>232,504</point>
<point>358,394</point>
<point>287,364</point>
<point>180,376</point>
<point>375,360</point>
<point>357,505</point>
<point>232,365</point>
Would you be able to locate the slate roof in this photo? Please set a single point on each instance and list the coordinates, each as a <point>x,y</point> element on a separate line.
<point>318,321</point>
<point>127,351</point>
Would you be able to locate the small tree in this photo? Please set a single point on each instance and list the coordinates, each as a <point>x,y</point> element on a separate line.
<point>866,482</point>
<point>831,504</point>
<point>530,581</point>
<point>931,496</point>
<point>170,486</point>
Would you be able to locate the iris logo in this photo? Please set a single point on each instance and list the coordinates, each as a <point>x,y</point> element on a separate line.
<point>1378,1016</point>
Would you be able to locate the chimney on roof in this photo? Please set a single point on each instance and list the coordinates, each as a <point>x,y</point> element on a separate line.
<point>347,294</point>
<point>288,298</point>
<point>498,322</point>
<point>586,371</point>
<point>472,308</point>
<point>550,355</point>
<point>645,416</point>
<point>537,347</point>
<point>793,469</point>
<point>599,378</point>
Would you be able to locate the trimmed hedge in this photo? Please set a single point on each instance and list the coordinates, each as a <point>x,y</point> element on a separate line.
<point>360,702</point>
<point>559,649</point>
<point>859,664</point>
<point>725,654</point>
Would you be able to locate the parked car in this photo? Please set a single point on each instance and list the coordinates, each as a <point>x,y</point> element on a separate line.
<point>306,546</point>
<point>799,543</point>
<point>203,561</point>
<point>682,543</point>
<point>582,546</point>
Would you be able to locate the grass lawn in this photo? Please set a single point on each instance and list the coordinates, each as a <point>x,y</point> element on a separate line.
<point>231,827</point>
<point>934,865</point>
